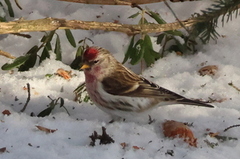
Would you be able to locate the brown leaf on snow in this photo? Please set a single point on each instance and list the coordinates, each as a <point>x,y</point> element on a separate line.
<point>63,73</point>
<point>47,130</point>
<point>6,112</point>
<point>124,145</point>
<point>137,148</point>
<point>176,129</point>
<point>3,149</point>
<point>212,134</point>
<point>210,70</point>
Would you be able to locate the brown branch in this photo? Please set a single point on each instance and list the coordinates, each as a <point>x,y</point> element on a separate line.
<point>28,98</point>
<point>6,54</point>
<point>18,5</point>
<point>114,2</point>
<point>121,2</point>
<point>233,126</point>
<point>48,24</point>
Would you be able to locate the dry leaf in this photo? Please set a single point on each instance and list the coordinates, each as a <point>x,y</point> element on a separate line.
<point>137,148</point>
<point>179,53</point>
<point>35,93</point>
<point>124,145</point>
<point>210,70</point>
<point>47,130</point>
<point>6,112</point>
<point>63,73</point>
<point>176,129</point>
<point>211,134</point>
<point>223,36</point>
<point>3,149</point>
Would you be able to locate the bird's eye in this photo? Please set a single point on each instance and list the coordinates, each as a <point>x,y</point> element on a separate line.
<point>95,61</point>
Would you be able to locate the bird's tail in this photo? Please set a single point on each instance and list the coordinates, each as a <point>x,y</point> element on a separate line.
<point>194,102</point>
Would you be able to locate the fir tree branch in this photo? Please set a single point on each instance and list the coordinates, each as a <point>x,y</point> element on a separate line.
<point>207,22</point>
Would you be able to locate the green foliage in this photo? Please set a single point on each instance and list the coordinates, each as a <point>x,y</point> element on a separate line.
<point>77,62</point>
<point>51,107</point>
<point>58,50</point>
<point>24,63</point>
<point>143,47</point>
<point>30,62</point>
<point>10,10</point>
<point>208,20</point>
<point>81,94</point>
<point>16,63</point>
<point>2,18</point>
<point>70,37</point>
<point>178,41</point>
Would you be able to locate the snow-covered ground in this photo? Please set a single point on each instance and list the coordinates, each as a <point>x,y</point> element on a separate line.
<point>22,139</point>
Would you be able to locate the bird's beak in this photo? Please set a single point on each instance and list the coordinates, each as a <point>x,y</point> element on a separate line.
<point>84,66</point>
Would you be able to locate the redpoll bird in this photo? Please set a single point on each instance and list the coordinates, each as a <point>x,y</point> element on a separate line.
<point>120,92</point>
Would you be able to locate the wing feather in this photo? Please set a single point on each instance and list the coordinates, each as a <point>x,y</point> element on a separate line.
<point>127,83</point>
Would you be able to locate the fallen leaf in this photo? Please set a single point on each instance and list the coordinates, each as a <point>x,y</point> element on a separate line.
<point>179,53</point>
<point>35,93</point>
<point>137,148</point>
<point>116,21</point>
<point>211,134</point>
<point>6,112</point>
<point>47,130</point>
<point>124,145</point>
<point>63,73</point>
<point>208,129</point>
<point>223,36</point>
<point>210,70</point>
<point>3,149</point>
<point>176,129</point>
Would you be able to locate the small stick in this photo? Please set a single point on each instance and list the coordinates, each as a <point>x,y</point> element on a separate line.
<point>233,126</point>
<point>28,99</point>
<point>166,3</point>
<point>16,1</point>
<point>6,54</point>
<point>231,84</point>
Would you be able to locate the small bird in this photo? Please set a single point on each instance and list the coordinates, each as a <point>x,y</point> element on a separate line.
<point>120,92</point>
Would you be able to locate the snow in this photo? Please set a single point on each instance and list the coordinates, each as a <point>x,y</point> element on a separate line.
<point>177,73</point>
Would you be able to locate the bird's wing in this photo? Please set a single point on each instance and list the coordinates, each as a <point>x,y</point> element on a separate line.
<point>126,83</point>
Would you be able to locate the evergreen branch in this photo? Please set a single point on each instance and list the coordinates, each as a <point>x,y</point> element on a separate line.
<point>207,22</point>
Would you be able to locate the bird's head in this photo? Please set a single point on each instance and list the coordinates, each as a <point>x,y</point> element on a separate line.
<point>97,61</point>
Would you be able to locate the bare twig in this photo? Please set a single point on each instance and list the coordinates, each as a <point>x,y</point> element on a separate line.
<point>6,54</point>
<point>114,2</point>
<point>16,1</point>
<point>166,3</point>
<point>233,126</point>
<point>49,24</point>
<point>28,99</point>
<point>22,35</point>
<point>120,2</point>
<point>231,84</point>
